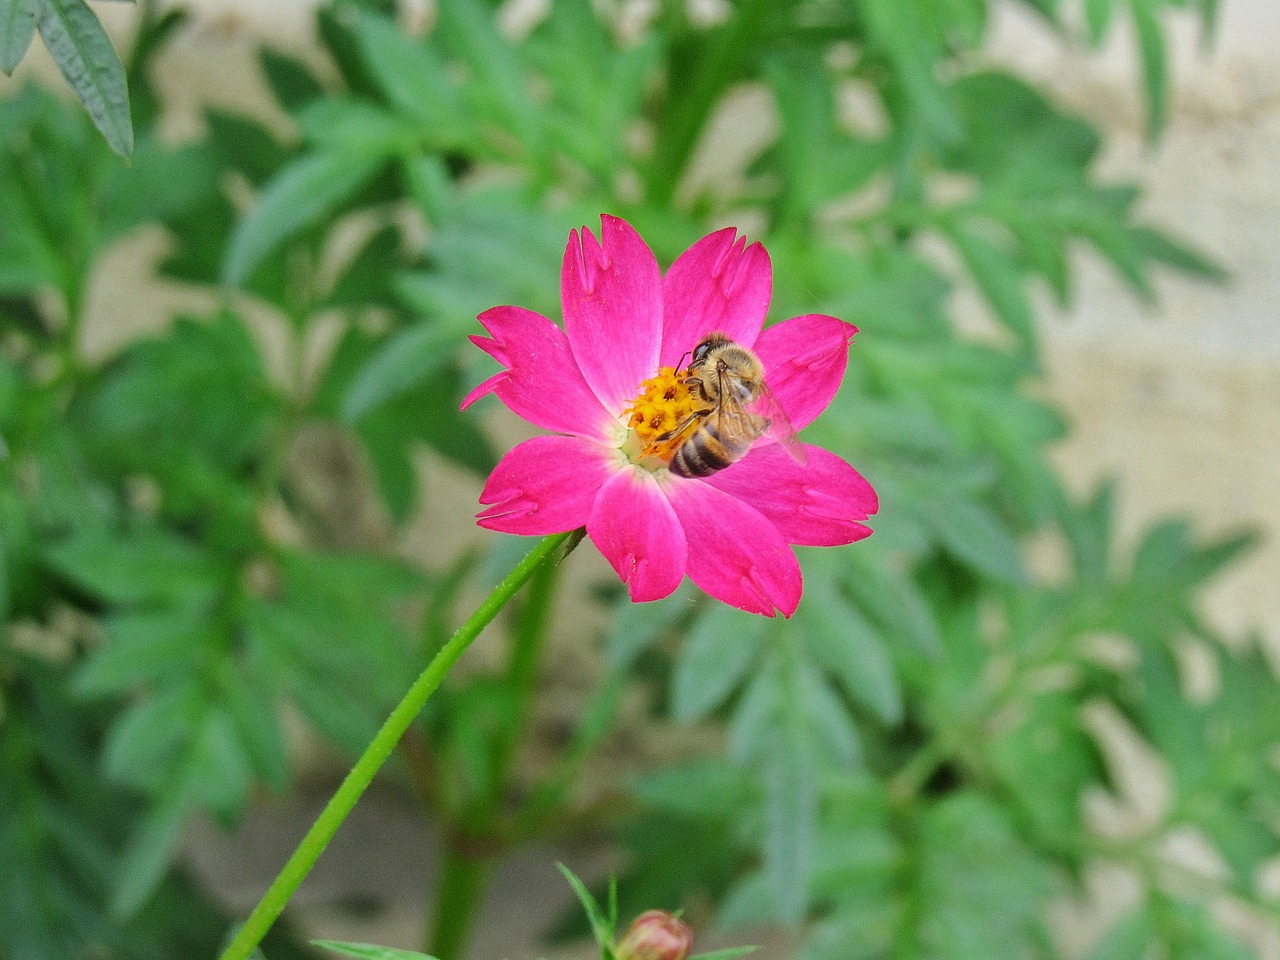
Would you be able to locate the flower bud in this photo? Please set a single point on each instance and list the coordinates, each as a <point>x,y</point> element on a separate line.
<point>655,935</point>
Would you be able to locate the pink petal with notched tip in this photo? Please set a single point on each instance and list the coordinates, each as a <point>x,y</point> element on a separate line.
<point>719,283</point>
<point>542,382</point>
<point>611,292</point>
<point>634,527</point>
<point>546,485</point>
<point>736,555</point>
<point>817,504</point>
<point>804,361</point>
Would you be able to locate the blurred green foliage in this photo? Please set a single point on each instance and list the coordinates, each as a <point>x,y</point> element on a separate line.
<point>905,762</point>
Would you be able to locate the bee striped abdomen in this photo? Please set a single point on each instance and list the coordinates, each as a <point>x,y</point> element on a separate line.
<point>705,453</point>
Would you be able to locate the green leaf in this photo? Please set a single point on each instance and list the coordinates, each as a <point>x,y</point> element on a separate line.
<point>149,564</point>
<point>974,535</point>
<point>966,20</point>
<point>1130,939</point>
<point>17,25</point>
<point>1246,843</point>
<point>979,890</point>
<point>411,75</point>
<point>997,276</point>
<point>498,83</point>
<point>892,599</point>
<point>312,188</point>
<point>158,183</point>
<point>332,640</point>
<point>1046,762</point>
<point>28,260</point>
<point>86,58</point>
<point>1017,141</point>
<point>245,145</point>
<point>601,926</point>
<point>1089,528</point>
<point>1151,52</point>
<point>755,714</point>
<point>427,182</point>
<point>1208,19</point>
<point>153,34</point>
<point>250,703</point>
<point>1157,246</point>
<point>290,80</point>
<point>900,29</point>
<point>638,626</point>
<point>146,739</point>
<point>429,413</point>
<point>818,162</point>
<point>1097,18</point>
<point>399,365</point>
<point>149,852</point>
<point>857,930</point>
<point>426,410</point>
<point>343,123</point>
<point>366,279</point>
<point>222,772</point>
<point>1121,247</point>
<point>1045,248</point>
<point>828,717</point>
<point>848,647</point>
<point>790,806</point>
<point>1163,552</point>
<point>749,901</point>
<point>721,649</point>
<point>141,648</point>
<point>151,412</point>
<point>367,951</point>
<point>347,724</point>
<point>699,789</point>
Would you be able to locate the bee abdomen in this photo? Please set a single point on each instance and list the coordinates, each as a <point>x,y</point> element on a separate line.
<point>703,454</point>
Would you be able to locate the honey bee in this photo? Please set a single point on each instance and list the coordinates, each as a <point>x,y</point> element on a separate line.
<point>737,409</point>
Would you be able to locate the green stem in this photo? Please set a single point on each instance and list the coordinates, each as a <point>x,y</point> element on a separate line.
<point>465,868</point>
<point>383,743</point>
<point>464,878</point>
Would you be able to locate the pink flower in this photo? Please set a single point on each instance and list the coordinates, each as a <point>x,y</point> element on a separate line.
<point>627,329</point>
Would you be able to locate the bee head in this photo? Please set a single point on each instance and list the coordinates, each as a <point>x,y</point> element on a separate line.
<point>711,341</point>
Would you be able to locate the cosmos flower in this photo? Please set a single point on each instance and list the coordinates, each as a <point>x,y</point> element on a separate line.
<point>612,384</point>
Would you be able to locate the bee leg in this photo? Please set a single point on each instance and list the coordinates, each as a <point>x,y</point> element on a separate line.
<point>678,428</point>
<point>696,382</point>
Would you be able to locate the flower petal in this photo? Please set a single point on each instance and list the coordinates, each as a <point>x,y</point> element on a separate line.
<point>546,485</point>
<point>736,554</point>
<point>719,283</point>
<point>542,382</point>
<point>804,361</point>
<point>636,530</point>
<point>815,504</point>
<point>611,292</point>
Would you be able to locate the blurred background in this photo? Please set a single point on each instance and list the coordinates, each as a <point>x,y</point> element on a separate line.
<point>1062,281</point>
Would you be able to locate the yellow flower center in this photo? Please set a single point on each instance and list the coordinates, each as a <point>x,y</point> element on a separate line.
<point>660,418</point>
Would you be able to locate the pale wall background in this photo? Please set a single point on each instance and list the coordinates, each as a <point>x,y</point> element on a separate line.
<point>1180,401</point>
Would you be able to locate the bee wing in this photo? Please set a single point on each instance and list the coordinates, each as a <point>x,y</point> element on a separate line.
<point>735,420</point>
<point>777,423</point>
